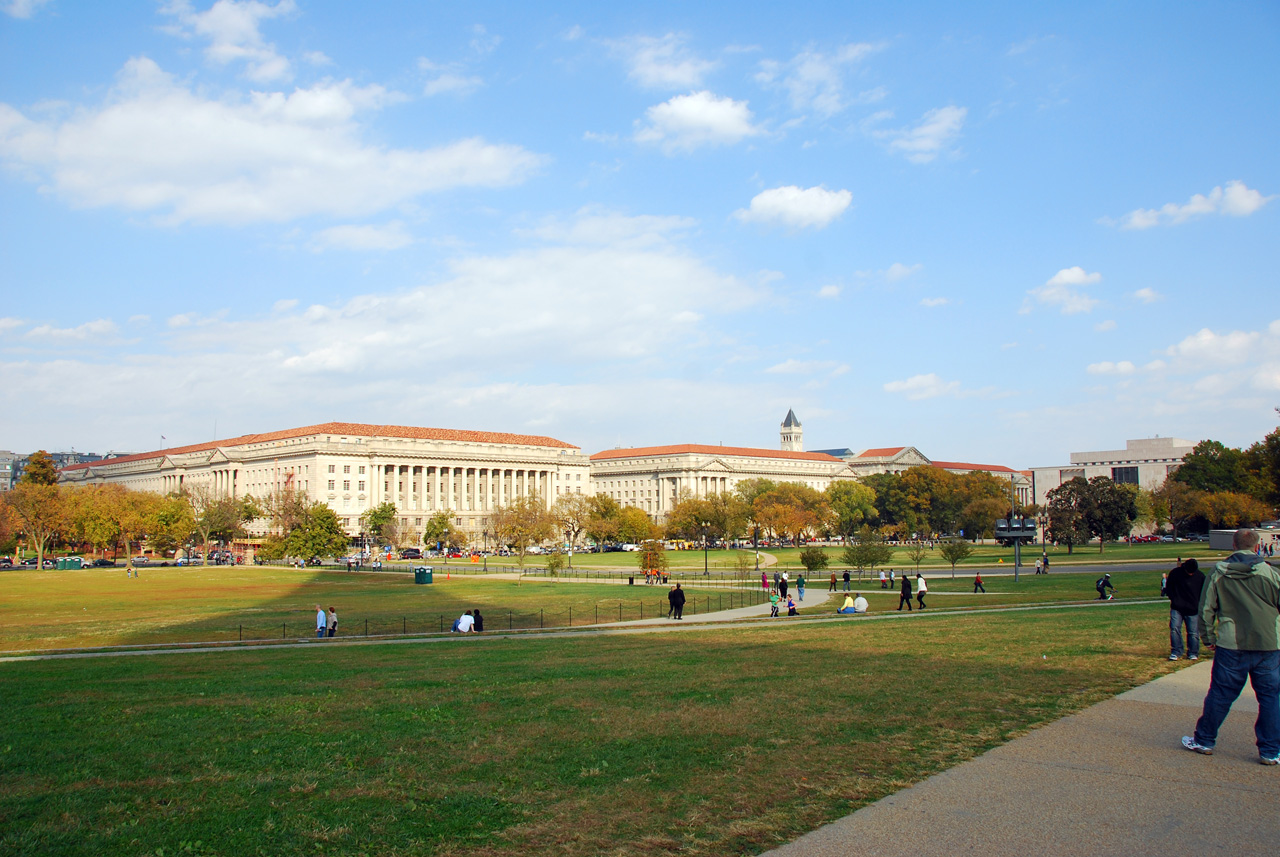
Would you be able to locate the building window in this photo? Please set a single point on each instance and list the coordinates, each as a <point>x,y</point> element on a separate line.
<point>330,484</point>
<point>1124,475</point>
<point>361,485</point>
<point>331,468</point>
<point>346,468</point>
<point>362,469</point>
<point>346,484</point>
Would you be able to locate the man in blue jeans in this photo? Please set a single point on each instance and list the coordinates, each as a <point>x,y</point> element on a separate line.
<point>1240,623</point>
<point>1183,588</point>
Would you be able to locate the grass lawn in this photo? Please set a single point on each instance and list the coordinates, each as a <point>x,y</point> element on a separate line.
<point>706,742</point>
<point>60,609</point>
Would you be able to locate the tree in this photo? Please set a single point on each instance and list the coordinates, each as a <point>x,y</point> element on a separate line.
<point>318,534</point>
<point>1110,510</point>
<point>978,518</point>
<point>868,551</point>
<point>852,504</point>
<point>1179,503</point>
<point>40,511</point>
<point>634,526</point>
<point>572,512</point>
<point>439,531</point>
<point>814,559</point>
<point>171,524</point>
<point>1263,459</point>
<point>653,556</point>
<point>40,469</point>
<point>954,551</point>
<point>378,521</point>
<point>1068,505</point>
<point>602,522</point>
<point>790,510</point>
<point>1213,466</point>
<point>523,523</point>
<point>687,518</point>
<point>219,517</point>
<point>916,552</point>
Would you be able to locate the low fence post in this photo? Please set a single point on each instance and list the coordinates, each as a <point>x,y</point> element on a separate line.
<point>441,623</point>
<point>284,634</point>
<point>571,616</point>
<point>510,621</point>
<point>366,627</point>
<point>404,625</point>
<point>241,637</point>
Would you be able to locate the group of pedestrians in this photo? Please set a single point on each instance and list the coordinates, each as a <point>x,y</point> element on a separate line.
<point>675,600</point>
<point>904,594</point>
<point>470,622</point>
<point>326,622</point>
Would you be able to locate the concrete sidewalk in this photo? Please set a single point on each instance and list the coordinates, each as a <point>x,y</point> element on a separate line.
<point>1111,780</point>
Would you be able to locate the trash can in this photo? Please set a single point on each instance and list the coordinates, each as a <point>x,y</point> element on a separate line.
<point>631,581</point>
<point>422,574</point>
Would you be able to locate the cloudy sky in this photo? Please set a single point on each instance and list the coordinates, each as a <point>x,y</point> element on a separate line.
<point>998,237</point>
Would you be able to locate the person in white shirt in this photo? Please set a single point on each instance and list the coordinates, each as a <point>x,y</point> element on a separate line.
<point>466,623</point>
<point>859,604</point>
<point>922,589</point>
<point>884,581</point>
<point>322,621</point>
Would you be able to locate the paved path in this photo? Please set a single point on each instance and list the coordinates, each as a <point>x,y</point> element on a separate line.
<point>1111,780</point>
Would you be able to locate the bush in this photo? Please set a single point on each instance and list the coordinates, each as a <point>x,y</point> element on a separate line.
<point>814,559</point>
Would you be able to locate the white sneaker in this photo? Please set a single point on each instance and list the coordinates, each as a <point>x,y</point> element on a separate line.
<point>1173,657</point>
<point>1195,746</point>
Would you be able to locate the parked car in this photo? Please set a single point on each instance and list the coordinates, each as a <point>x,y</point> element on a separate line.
<point>29,562</point>
<point>104,563</point>
<point>5,562</point>
<point>140,560</point>
<point>411,553</point>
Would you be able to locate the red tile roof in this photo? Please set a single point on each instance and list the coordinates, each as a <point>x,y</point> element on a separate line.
<point>697,448</point>
<point>883,452</point>
<point>963,465</point>
<point>346,430</point>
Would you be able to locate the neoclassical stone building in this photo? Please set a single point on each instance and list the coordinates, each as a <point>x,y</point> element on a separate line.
<point>353,467</point>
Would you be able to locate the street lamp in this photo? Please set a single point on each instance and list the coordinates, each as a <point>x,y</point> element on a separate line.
<point>755,544</point>
<point>566,538</point>
<point>486,550</point>
<point>705,571</point>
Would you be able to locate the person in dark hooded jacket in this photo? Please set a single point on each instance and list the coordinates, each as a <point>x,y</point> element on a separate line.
<point>1183,588</point>
<point>678,601</point>
<point>904,595</point>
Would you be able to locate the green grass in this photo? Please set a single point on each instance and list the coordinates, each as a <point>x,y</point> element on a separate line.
<point>707,742</point>
<point>60,609</point>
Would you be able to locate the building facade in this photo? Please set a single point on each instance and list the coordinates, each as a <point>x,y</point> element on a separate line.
<point>7,463</point>
<point>1146,463</point>
<point>353,467</point>
<point>899,459</point>
<point>655,478</point>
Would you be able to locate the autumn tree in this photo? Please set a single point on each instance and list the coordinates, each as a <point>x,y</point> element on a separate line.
<point>634,526</point>
<point>954,551</point>
<point>1068,507</point>
<point>218,516</point>
<point>867,551</point>
<point>40,513</point>
<point>523,523</point>
<point>602,521</point>
<point>572,512</point>
<point>440,531</point>
<point>39,470</point>
<point>653,556</point>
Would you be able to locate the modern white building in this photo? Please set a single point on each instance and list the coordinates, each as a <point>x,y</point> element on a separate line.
<point>353,467</point>
<point>1146,463</point>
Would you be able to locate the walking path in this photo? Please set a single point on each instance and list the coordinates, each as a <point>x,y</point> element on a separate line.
<point>1111,780</point>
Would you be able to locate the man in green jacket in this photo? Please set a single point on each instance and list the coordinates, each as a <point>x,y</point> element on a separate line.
<point>1240,623</point>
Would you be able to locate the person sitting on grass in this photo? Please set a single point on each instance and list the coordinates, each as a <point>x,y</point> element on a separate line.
<point>859,604</point>
<point>849,605</point>
<point>466,623</point>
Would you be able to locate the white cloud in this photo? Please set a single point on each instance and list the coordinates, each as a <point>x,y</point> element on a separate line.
<point>1104,326</point>
<point>391,236</point>
<point>10,323</point>
<point>898,271</point>
<point>102,327</point>
<point>449,79</point>
<point>22,8</point>
<point>601,227</point>
<point>687,122</point>
<point>1124,367</point>
<point>573,33</point>
<point>808,367</point>
<point>796,207</point>
<point>482,41</point>
<point>933,302</point>
<point>934,134</point>
<point>1206,348</point>
<point>815,81</point>
<point>232,29</point>
<point>1236,200</point>
<point>662,63</point>
<point>919,387</point>
<point>156,146</point>
<point>829,292</point>
<point>1147,296</point>
<point>317,58</point>
<point>1062,290</point>
<point>284,305</point>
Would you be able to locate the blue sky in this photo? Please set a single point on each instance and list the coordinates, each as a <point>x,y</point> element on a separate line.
<point>998,236</point>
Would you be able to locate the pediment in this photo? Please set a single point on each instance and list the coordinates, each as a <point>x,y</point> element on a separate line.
<point>911,457</point>
<point>716,466</point>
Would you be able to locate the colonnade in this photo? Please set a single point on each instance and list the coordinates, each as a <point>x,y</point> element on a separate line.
<point>459,488</point>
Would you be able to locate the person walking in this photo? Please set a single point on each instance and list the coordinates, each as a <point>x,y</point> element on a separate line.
<point>679,602</point>
<point>322,622</point>
<point>773,605</point>
<point>884,580</point>
<point>1183,589</point>
<point>332,622</point>
<point>922,588</point>
<point>1039,567</point>
<point>1045,559</point>
<point>891,583</point>
<point>846,580</point>
<point>764,581</point>
<point>904,596</point>
<point>800,585</point>
<point>671,602</point>
<point>1239,622</point>
<point>977,584</point>
<point>833,582</point>
<point>783,583</point>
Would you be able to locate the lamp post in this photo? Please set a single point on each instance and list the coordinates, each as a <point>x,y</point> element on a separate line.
<point>566,538</point>
<point>755,544</point>
<point>486,550</point>
<point>705,571</point>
